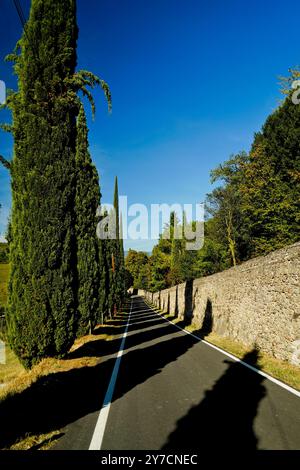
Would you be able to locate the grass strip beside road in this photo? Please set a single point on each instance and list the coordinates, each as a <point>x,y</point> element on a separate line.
<point>49,367</point>
<point>12,369</point>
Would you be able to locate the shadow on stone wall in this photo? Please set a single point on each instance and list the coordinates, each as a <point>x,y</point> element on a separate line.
<point>188,301</point>
<point>207,324</point>
<point>176,303</point>
<point>189,307</point>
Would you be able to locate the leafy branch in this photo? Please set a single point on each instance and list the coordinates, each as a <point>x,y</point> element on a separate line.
<point>5,163</point>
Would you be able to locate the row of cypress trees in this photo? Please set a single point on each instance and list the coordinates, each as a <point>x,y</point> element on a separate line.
<point>63,279</point>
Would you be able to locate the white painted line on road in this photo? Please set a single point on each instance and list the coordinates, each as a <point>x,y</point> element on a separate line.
<point>142,311</point>
<point>141,317</point>
<point>97,439</point>
<point>236,359</point>
<point>152,319</point>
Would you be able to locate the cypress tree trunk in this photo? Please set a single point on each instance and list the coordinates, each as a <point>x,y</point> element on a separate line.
<point>41,289</point>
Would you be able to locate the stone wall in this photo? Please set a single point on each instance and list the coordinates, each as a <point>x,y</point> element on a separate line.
<point>256,303</point>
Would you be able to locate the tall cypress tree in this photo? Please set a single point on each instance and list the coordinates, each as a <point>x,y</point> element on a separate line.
<point>114,255</point>
<point>104,281</point>
<point>109,251</point>
<point>40,313</point>
<point>118,253</point>
<point>86,203</point>
<point>115,258</point>
<point>122,260</point>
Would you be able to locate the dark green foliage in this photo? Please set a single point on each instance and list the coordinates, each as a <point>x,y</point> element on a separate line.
<point>110,250</point>
<point>176,256</point>
<point>176,249</point>
<point>224,204</point>
<point>145,277</point>
<point>117,282</point>
<point>104,280</point>
<point>214,255</point>
<point>112,262</point>
<point>160,263</point>
<point>105,267</point>
<point>272,187</point>
<point>40,314</point>
<point>122,288</point>
<point>135,263</point>
<point>255,210</point>
<point>128,279</point>
<point>87,200</point>
<point>54,290</point>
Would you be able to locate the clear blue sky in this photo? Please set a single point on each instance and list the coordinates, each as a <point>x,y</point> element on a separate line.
<point>191,82</point>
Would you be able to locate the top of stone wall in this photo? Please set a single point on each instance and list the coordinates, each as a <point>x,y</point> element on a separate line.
<point>284,255</point>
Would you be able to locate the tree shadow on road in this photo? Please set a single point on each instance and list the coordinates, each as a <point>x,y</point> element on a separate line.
<point>58,399</point>
<point>140,332</point>
<point>224,419</point>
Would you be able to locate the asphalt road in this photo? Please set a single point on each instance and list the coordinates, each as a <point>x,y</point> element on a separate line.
<point>174,392</point>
